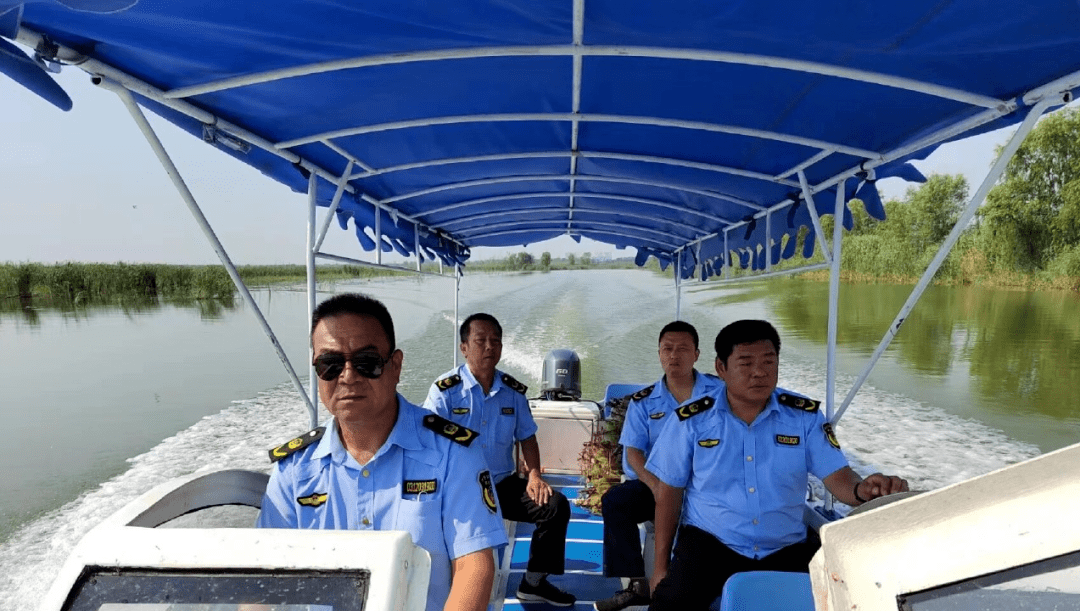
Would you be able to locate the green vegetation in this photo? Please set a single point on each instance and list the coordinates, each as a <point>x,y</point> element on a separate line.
<point>100,283</point>
<point>525,262</point>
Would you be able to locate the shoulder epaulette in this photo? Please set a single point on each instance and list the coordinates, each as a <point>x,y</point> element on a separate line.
<point>448,382</point>
<point>695,408</point>
<point>295,445</point>
<point>514,384</point>
<point>797,402</point>
<point>641,394</point>
<point>453,432</point>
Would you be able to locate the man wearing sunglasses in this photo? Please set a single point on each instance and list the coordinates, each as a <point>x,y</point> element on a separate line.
<point>479,396</point>
<point>382,463</point>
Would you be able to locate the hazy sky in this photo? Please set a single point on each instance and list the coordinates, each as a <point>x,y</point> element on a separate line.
<point>84,185</point>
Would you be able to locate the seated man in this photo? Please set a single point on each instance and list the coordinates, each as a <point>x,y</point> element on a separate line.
<point>630,503</point>
<point>742,457</point>
<point>382,463</point>
<point>479,396</point>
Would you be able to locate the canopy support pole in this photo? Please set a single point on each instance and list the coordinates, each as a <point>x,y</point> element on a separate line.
<point>678,285</point>
<point>416,245</point>
<point>454,331</point>
<point>193,206</point>
<point>808,195</point>
<point>768,240</point>
<point>834,305</point>
<point>969,212</point>
<point>378,235</point>
<point>312,247</point>
<point>342,182</point>
<point>727,256</point>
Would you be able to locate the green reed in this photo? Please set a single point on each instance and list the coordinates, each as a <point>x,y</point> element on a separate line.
<point>98,283</point>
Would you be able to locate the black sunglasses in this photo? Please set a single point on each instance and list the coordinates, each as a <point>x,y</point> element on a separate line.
<point>368,364</point>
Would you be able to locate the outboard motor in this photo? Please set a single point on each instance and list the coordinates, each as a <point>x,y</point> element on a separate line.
<point>561,380</point>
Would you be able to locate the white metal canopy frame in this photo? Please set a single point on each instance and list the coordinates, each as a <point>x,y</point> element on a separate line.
<point>702,134</point>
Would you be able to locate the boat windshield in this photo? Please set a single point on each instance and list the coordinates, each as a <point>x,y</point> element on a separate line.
<point>109,589</point>
<point>1049,585</point>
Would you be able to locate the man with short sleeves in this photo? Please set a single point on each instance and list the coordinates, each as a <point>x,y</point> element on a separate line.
<point>630,503</point>
<point>479,396</point>
<point>382,463</point>
<point>742,459</point>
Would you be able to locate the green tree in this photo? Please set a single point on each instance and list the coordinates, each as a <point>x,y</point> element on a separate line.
<point>586,259</point>
<point>1033,215</point>
<point>545,260</point>
<point>570,258</point>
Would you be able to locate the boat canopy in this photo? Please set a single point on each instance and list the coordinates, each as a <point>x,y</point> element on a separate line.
<point>702,133</point>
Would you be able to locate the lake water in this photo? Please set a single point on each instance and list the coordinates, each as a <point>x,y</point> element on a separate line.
<point>101,405</point>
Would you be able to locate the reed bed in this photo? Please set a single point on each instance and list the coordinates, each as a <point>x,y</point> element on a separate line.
<point>86,283</point>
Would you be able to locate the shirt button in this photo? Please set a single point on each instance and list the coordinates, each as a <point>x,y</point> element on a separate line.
<point>483,422</point>
<point>756,548</point>
<point>365,473</point>
<point>751,490</point>
<point>367,522</point>
<point>749,458</point>
<point>755,520</point>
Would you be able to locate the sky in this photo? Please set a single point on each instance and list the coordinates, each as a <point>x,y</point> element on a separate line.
<point>84,185</point>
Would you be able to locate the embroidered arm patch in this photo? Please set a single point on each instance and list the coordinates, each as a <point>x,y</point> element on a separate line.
<point>295,445</point>
<point>830,435</point>
<point>487,491</point>
<point>453,432</point>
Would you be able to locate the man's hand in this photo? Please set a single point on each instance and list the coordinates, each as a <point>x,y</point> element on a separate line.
<point>655,580</point>
<point>537,489</point>
<point>877,485</point>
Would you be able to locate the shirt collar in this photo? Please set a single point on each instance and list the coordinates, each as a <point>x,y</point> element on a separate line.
<point>468,380</point>
<point>702,385</point>
<point>404,434</point>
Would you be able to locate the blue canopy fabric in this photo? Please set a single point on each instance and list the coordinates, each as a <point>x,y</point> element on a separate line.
<point>662,126</point>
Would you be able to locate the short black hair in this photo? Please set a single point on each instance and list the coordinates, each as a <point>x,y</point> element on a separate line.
<point>744,332</point>
<point>479,316</point>
<point>679,326</point>
<point>360,305</point>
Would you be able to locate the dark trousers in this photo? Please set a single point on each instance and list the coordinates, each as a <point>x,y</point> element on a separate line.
<point>547,553</point>
<point>624,507</point>
<point>701,564</point>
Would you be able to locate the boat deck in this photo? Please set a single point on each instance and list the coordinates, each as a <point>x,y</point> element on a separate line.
<point>584,576</point>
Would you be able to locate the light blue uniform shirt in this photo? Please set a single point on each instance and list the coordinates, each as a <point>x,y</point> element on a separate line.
<point>450,521</point>
<point>746,484</point>
<point>502,417</point>
<point>645,417</point>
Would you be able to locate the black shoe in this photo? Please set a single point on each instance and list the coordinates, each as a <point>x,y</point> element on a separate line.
<point>544,592</point>
<point>621,600</point>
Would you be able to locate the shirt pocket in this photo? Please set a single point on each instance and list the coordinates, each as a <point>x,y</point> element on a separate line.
<point>423,520</point>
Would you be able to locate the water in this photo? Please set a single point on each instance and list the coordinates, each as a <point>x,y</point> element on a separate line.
<point>102,405</point>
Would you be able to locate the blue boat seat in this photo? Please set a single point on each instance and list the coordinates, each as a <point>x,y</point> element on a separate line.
<point>766,591</point>
<point>617,391</point>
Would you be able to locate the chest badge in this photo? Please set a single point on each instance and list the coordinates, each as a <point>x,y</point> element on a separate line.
<point>508,411</point>
<point>419,486</point>
<point>460,411</point>
<point>709,443</point>
<point>787,440</point>
<point>313,500</point>
<point>657,415</point>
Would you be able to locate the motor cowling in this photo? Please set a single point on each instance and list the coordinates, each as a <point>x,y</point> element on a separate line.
<point>561,380</point>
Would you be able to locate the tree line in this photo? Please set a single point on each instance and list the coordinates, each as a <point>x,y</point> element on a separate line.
<point>1026,234</point>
